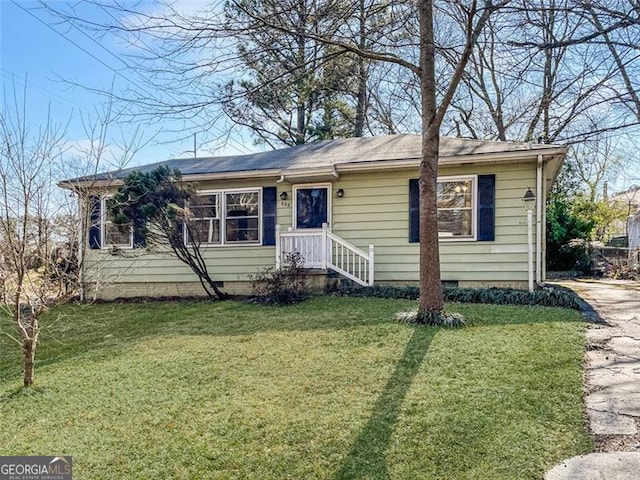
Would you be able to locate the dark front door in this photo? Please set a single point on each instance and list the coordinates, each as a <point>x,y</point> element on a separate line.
<point>312,207</point>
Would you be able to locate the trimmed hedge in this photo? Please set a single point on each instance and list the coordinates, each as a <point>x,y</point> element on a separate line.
<point>548,296</point>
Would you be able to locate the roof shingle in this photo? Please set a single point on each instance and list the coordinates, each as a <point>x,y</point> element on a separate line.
<point>327,153</point>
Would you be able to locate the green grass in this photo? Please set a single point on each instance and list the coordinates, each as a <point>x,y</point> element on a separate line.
<point>329,389</point>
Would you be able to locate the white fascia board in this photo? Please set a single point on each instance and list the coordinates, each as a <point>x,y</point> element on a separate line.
<point>243,174</point>
<point>90,184</point>
<point>187,178</point>
<point>329,172</point>
<point>475,159</point>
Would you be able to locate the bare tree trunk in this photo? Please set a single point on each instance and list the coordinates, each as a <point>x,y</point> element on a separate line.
<point>28,323</point>
<point>29,352</point>
<point>28,206</point>
<point>361,105</point>
<point>431,302</point>
<point>547,85</point>
<point>301,120</point>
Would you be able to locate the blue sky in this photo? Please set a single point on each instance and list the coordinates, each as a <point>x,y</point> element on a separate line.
<point>51,56</point>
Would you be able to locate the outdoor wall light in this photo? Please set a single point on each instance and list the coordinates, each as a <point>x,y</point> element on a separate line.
<point>340,193</point>
<point>529,199</point>
<point>284,196</point>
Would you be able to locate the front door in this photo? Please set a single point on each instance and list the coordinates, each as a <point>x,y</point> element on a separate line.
<point>311,206</point>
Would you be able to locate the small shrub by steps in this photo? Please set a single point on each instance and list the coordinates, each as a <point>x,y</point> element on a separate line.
<point>284,286</point>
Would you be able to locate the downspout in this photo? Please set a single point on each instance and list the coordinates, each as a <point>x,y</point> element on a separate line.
<point>81,243</point>
<point>540,204</point>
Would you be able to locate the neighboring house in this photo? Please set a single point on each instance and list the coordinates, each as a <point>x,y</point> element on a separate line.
<point>633,231</point>
<point>629,202</point>
<point>366,191</point>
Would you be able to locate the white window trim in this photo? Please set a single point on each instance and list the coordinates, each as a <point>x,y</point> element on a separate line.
<point>222,217</point>
<point>223,228</point>
<point>474,208</point>
<point>219,207</point>
<point>103,229</point>
<point>294,207</point>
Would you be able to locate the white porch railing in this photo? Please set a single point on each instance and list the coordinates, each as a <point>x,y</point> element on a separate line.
<point>325,250</point>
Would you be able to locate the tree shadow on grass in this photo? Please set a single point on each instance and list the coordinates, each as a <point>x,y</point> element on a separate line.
<point>107,327</point>
<point>366,458</point>
<point>21,392</point>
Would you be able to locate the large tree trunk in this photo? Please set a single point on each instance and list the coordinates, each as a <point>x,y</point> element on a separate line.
<point>302,94</point>
<point>431,302</point>
<point>361,106</point>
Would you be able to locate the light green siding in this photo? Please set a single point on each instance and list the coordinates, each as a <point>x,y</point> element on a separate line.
<point>374,210</point>
<point>226,263</point>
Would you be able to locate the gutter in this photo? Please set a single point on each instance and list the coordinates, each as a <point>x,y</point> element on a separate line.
<point>519,156</point>
<point>113,182</point>
<point>294,174</point>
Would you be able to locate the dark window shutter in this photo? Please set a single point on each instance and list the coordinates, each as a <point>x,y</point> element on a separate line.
<point>269,215</point>
<point>486,208</point>
<point>180,230</point>
<point>414,211</point>
<point>95,222</point>
<point>138,239</point>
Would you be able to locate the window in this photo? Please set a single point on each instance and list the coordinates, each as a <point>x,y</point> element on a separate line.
<point>223,218</point>
<point>455,207</point>
<point>242,217</point>
<point>206,218</point>
<point>463,213</point>
<point>114,235</point>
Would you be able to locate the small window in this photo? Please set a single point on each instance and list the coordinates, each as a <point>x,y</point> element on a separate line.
<point>205,222</point>
<point>242,217</point>
<point>455,208</point>
<point>115,235</point>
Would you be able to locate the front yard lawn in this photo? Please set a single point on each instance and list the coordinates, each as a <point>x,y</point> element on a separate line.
<point>331,388</point>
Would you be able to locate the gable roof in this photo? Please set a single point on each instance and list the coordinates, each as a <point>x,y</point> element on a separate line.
<point>325,157</point>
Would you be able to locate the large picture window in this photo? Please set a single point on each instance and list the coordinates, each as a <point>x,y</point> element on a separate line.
<point>456,208</point>
<point>226,217</point>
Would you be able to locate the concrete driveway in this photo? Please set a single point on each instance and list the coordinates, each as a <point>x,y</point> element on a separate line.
<point>612,382</point>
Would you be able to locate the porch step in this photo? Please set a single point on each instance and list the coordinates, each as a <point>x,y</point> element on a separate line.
<point>324,250</point>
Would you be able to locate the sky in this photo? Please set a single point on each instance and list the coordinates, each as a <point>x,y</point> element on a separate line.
<point>50,57</point>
